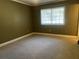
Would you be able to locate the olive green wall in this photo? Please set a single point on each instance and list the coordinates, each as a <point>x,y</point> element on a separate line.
<point>15,20</point>
<point>71,18</point>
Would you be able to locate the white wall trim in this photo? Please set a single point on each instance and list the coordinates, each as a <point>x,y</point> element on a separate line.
<point>48,34</point>
<point>54,34</point>
<point>58,35</point>
<point>14,40</point>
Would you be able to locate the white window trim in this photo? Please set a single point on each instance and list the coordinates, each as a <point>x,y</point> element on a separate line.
<point>51,16</point>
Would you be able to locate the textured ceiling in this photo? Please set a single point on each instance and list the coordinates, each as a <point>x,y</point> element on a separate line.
<point>37,2</point>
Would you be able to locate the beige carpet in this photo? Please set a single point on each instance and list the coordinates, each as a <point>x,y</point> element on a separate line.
<point>41,47</point>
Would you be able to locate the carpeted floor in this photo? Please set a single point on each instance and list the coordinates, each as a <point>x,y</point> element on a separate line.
<point>41,47</point>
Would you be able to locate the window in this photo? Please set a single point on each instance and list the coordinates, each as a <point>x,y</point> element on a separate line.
<point>53,16</point>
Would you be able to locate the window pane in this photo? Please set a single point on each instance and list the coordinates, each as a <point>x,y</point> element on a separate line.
<point>53,16</point>
<point>58,15</point>
<point>46,16</point>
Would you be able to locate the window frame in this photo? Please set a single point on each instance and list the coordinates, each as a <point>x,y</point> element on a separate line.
<point>51,15</point>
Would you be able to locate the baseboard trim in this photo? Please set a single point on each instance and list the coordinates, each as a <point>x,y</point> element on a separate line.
<point>54,34</point>
<point>58,35</point>
<point>48,34</point>
<point>14,40</point>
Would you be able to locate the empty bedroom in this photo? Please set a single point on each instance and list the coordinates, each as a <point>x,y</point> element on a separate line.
<point>39,29</point>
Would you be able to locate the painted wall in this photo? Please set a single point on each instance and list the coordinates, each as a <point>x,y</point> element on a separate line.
<point>71,18</point>
<point>78,20</point>
<point>15,20</point>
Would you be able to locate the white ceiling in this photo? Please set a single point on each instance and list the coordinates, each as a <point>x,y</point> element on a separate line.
<point>36,2</point>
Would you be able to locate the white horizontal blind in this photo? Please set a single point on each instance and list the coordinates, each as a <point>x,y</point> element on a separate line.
<point>53,16</point>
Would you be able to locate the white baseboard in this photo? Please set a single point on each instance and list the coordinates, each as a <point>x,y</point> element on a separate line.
<point>59,35</point>
<point>54,34</point>
<point>14,40</point>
